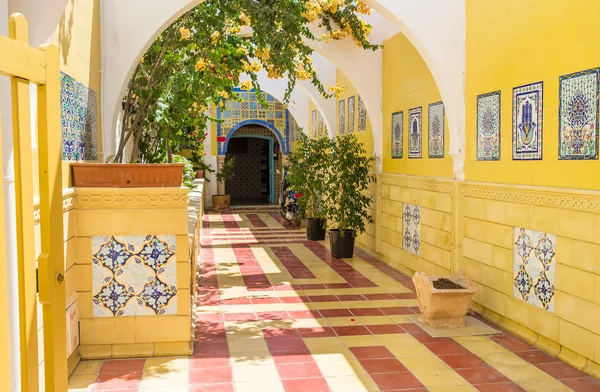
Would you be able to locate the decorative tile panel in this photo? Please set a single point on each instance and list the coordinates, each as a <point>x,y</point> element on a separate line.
<point>528,121</point>
<point>362,115</point>
<point>134,276</point>
<point>397,134</point>
<point>415,132</point>
<point>436,130</point>
<point>79,120</point>
<point>488,126</point>
<point>534,267</point>
<point>351,113</point>
<point>578,124</point>
<point>412,228</point>
<point>321,125</point>
<point>341,117</point>
<point>314,123</point>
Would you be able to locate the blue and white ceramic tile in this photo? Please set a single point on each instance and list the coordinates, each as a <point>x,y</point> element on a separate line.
<point>397,134</point>
<point>341,117</point>
<point>528,104</point>
<point>362,115</point>
<point>411,229</point>
<point>534,267</point>
<point>79,120</point>
<point>321,125</point>
<point>134,275</point>
<point>488,126</point>
<point>415,133</point>
<point>436,130</point>
<point>578,128</point>
<point>351,111</point>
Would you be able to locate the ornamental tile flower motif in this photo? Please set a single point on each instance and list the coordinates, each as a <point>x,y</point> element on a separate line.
<point>397,135</point>
<point>488,126</point>
<point>436,130</point>
<point>134,275</point>
<point>412,228</point>
<point>415,133</point>
<point>528,121</point>
<point>534,267</point>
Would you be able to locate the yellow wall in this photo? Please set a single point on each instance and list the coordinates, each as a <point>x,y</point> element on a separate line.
<point>407,84</point>
<point>511,43</point>
<point>365,137</point>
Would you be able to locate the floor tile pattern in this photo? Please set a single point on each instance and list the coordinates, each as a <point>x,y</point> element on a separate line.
<point>264,324</point>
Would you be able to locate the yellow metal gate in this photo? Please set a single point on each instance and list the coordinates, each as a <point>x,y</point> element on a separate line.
<point>25,65</point>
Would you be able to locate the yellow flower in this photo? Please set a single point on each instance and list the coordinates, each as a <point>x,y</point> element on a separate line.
<point>244,19</point>
<point>246,85</point>
<point>363,8</point>
<point>185,33</point>
<point>224,94</point>
<point>338,89</point>
<point>263,54</point>
<point>234,29</point>
<point>214,37</point>
<point>243,50</point>
<point>200,65</point>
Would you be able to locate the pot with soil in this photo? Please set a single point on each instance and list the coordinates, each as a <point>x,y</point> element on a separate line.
<point>315,229</point>
<point>199,174</point>
<point>443,301</point>
<point>341,243</point>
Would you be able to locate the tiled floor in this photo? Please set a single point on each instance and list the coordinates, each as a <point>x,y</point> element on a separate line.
<point>277,313</point>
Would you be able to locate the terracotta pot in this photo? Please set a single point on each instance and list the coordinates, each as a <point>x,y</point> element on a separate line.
<point>199,173</point>
<point>221,202</point>
<point>443,308</point>
<point>113,175</point>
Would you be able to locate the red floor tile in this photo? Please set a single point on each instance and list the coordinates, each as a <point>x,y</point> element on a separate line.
<point>485,375</point>
<point>212,388</point>
<point>263,301</point>
<point>426,338</point>
<point>388,365</point>
<point>335,313</point>
<point>211,376</point>
<point>396,381</point>
<point>378,297</point>
<point>463,361</point>
<point>293,300</point>
<point>396,310</point>
<point>351,297</point>
<point>512,343</point>
<point>375,352</point>
<point>385,329</point>
<point>561,370</point>
<point>272,315</point>
<point>297,356</point>
<point>586,384</point>
<point>323,298</point>
<point>412,328</point>
<point>367,312</point>
<point>240,317</point>
<point>304,314</point>
<point>306,385</point>
<point>537,357</point>
<point>281,333</point>
<point>278,344</point>
<point>123,366</point>
<point>214,361</point>
<point>205,349</point>
<point>118,381</point>
<point>298,370</point>
<point>352,330</point>
<point>317,332</point>
<point>236,301</point>
<point>405,296</point>
<point>446,348</point>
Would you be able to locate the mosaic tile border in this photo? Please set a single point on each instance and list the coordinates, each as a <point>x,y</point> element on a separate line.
<point>489,126</point>
<point>415,132</point>
<point>578,130</point>
<point>528,112</point>
<point>436,130</point>
<point>397,135</point>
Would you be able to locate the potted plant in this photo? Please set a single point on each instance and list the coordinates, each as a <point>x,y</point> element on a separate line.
<point>309,167</point>
<point>202,169</point>
<point>443,302</point>
<point>347,202</point>
<point>221,202</point>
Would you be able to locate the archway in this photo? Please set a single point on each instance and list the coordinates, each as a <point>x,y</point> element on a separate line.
<point>257,150</point>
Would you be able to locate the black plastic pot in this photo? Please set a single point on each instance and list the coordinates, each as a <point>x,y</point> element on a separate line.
<point>314,229</point>
<point>341,247</point>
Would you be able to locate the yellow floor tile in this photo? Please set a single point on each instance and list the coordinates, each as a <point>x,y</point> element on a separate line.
<point>248,346</point>
<point>458,388</point>
<point>259,386</point>
<point>339,321</point>
<point>165,378</point>
<point>401,319</point>
<point>374,320</point>
<point>545,386</point>
<point>351,384</point>
<point>332,355</point>
<point>316,343</point>
<point>251,359</point>
<point>83,382</point>
<point>439,378</point>
<point>408,351</point>
<point>398,339</point>
<point>165,364</point>
<point>341,368</point>
<point>88,367</point>
<point>325,305</point>
<point>295,307</point>
<point>427,363</point>
<point>255,373</point>
<point>360,341</point>
<point>528,373</point>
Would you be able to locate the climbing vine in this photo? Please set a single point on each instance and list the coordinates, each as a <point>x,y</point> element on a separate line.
<point>201,57</point>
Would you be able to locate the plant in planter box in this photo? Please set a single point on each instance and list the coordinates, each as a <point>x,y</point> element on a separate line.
<point>309,167</point>
<point>221,202</point>
<point>348,204</point>
<point>188,171</point>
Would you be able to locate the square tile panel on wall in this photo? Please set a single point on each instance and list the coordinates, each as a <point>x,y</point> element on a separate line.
<point>134,276</point>
<point>412,228</point>
<point>415,132</point>
<point>341,116</point>
<point>528,104</point>
<point>351,113</point>
<point>436,130</point>
<point>534,267</point>
<point>578,124</point>
<point>397,134</point>
<point>488,126</point>
<point>362,115</point>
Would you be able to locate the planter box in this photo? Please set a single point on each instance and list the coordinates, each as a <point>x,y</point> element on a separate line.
<point>114,175</point>
<point>443,308</point>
